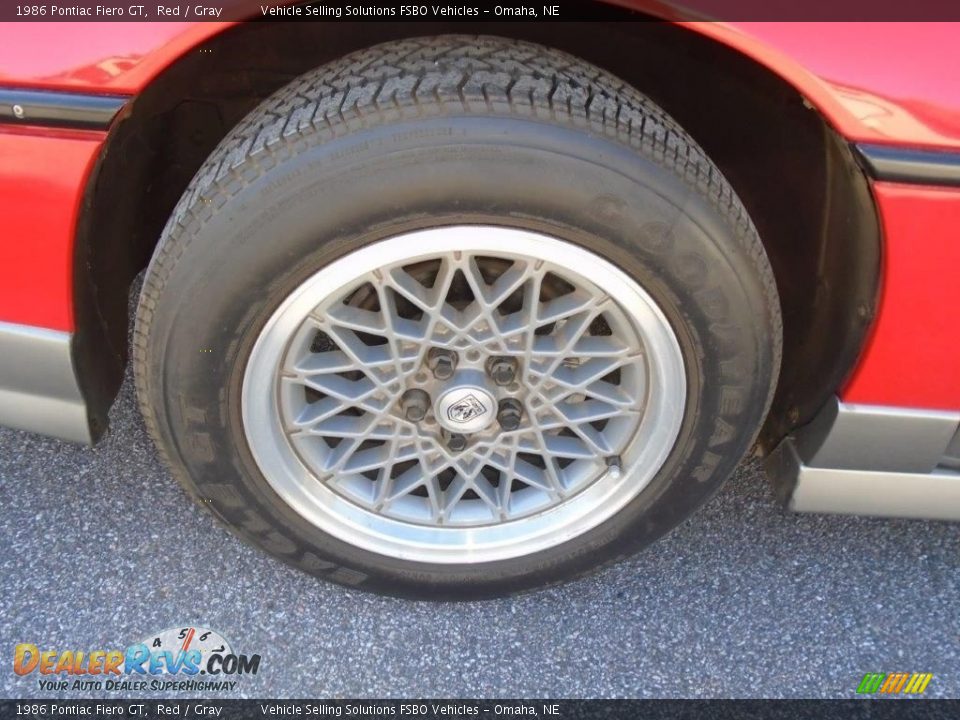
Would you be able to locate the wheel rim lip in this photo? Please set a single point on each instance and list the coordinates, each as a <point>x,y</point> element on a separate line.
<point>321,506</point>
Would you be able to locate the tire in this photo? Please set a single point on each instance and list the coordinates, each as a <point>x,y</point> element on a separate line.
<point>412,144</point>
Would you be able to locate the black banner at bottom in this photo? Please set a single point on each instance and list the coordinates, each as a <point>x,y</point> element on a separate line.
<point>493,709</point>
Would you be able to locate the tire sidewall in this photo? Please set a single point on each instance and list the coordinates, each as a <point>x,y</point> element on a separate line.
<point>247,248</point>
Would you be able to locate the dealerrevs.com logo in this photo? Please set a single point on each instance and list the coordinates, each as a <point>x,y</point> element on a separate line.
<point>177,659</point>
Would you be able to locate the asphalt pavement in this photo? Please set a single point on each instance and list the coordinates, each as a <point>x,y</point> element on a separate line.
<point>100,547</point>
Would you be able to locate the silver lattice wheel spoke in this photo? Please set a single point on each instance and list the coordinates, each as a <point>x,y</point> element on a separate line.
<point>594,373</point>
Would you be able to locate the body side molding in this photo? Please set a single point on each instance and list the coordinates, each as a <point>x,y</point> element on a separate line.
<point>56,109</point>
<point>38,386</point>
<point>911,166</point>
<point>871,460</point>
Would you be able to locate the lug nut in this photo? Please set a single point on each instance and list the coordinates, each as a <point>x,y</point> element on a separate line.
<point>502,369</point>
<point>509,413</point>
<point>415,404</point>
<point>442,363</point>
<point>456,441</point>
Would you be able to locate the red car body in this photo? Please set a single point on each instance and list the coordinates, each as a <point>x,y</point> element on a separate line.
<point>904,96</point>
<point>884,85</point>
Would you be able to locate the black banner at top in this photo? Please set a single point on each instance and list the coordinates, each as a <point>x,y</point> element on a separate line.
<point>476,10</point>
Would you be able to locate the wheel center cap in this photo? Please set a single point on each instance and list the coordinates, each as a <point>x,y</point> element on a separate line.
<point>466,409</point>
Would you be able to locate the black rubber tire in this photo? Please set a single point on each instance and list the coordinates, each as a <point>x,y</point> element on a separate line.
<point>427,132</point>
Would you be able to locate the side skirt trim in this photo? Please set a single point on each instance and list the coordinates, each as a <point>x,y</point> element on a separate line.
<point>934,496</point>
<point>38,387</point>
<point>868,460</point>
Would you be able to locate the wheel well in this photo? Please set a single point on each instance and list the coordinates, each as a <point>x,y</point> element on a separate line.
<point>798,179</point>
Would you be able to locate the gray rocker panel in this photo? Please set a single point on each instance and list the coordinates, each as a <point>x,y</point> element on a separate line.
<point>38,387</point>
<point>871,460</point>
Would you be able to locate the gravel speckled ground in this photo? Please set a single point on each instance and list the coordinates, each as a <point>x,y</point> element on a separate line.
<point>100,547</point>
